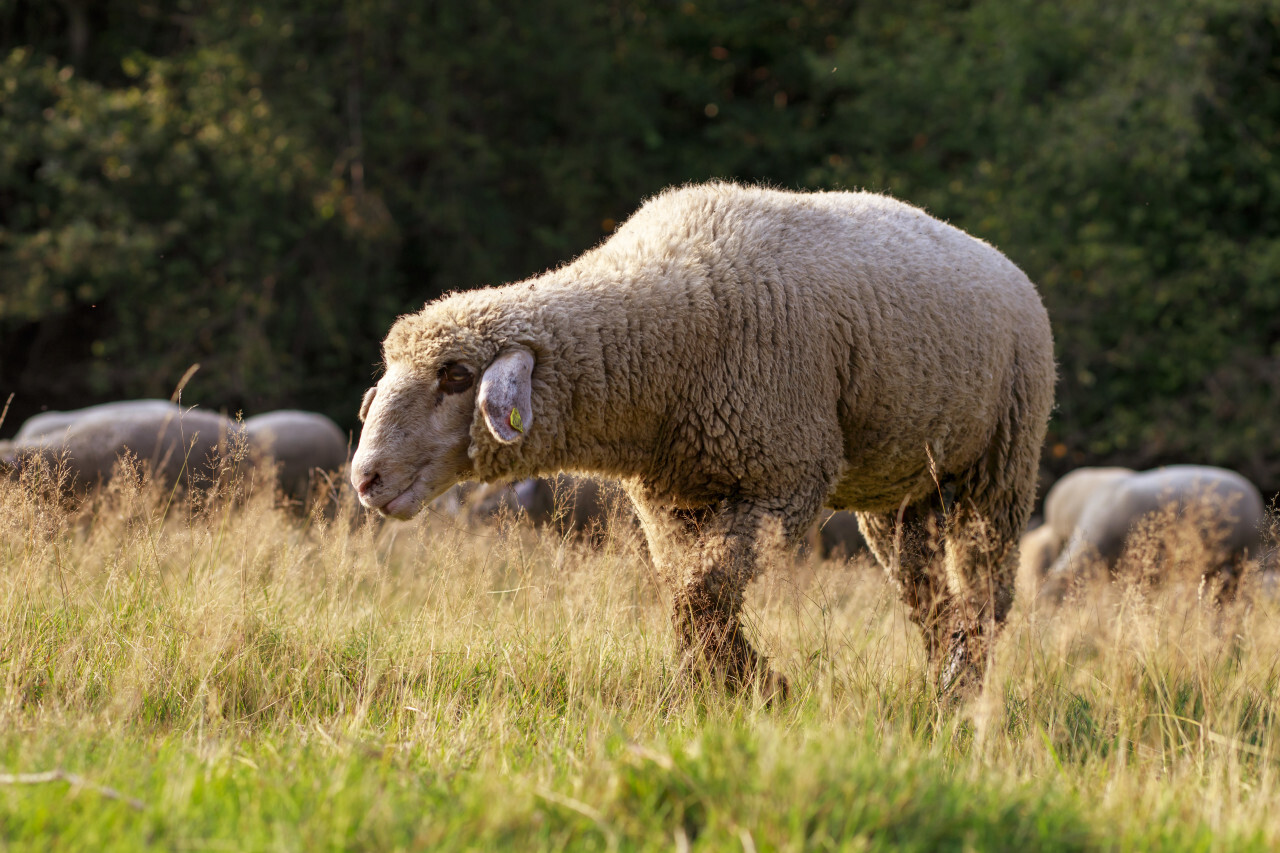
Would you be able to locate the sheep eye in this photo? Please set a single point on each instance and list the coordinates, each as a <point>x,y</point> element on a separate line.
<point>455,378</point>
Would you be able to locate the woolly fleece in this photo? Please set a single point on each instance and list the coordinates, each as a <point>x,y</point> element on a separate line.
<point>739,357</point>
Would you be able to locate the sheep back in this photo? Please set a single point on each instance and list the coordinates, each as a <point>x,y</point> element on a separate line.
<point>54,422</point>
<point>172,442</point>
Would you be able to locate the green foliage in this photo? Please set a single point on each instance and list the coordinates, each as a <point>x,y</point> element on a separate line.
<point>262,188</point>
<point>187,217</point>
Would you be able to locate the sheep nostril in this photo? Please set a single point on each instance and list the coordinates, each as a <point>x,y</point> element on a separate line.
<point>368,483</point>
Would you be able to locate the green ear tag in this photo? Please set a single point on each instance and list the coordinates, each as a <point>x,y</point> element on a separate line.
<point>517,422</point>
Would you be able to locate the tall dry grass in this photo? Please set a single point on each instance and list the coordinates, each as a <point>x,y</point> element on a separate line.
<point>219,619</point>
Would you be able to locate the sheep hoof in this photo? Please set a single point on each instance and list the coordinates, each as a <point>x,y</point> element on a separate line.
<point>736,674</point>
<point>959,675</point>
<point>774,688</point>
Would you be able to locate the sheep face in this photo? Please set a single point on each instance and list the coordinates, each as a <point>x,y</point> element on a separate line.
<point>418,425</point>
<point>414,443</point>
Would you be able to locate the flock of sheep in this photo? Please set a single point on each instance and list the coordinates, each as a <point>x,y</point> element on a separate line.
<point>178,444</point>
<point>740,361</point>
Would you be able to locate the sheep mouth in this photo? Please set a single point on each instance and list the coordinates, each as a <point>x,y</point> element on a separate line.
<point>404,505</point>
<point>407,504</point>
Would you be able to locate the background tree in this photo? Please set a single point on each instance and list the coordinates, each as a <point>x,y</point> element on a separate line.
<point>262,187</point>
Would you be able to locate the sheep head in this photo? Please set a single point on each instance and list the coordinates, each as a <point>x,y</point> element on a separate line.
<point>418,419</point>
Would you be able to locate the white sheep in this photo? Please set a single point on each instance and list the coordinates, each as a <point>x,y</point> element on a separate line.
<point>1092,515</point>
<point>739,357</point>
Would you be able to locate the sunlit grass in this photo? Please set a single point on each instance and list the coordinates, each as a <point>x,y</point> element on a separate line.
<point>259,680</point>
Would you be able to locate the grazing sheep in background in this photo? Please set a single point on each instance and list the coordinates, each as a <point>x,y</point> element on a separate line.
<point>1093,514</point>
<point>1063,505</point>
<point>570,505</point>
<point>1074,492</point>
<point>740,357</point>
<point>161,432</point>
<point>174,442</point>
<point>300,443</point>
<point>54,422</point>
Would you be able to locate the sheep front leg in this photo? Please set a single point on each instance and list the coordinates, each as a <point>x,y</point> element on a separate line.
<point>708,594</point>
<point>708,556</point>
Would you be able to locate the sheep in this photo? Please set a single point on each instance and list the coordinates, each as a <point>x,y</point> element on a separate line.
<point>300,443</point>
<point>1072,494</point>
<point>738,357</point>
<point>94,437</point>
<point>172,440</point>
<point>55,422</point>
<point>571,506</point>
<point>1062,508</point>
<point>1094,514</point>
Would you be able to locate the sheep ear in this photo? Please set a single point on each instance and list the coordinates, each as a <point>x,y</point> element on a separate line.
<point>367,402</point>
<point>504,395</point>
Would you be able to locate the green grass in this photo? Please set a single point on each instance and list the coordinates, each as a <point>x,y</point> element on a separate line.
<point>260,682</point>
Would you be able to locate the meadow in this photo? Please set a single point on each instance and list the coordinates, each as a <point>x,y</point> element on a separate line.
<point>217,672</point>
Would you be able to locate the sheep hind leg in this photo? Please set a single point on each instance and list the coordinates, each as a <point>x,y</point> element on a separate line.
<point>908,544</point>
<point>728,550</point>
<point>981,564</point>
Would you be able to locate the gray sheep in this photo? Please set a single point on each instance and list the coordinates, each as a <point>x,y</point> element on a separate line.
<point>300,443</point>
<point>1092,514</point>
<point>740,357</point>
<point>173,442</point>
<point>570,505</point>
<point>56,423</point>
<point>173,439</point>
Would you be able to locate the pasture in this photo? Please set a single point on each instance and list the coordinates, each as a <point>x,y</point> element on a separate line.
<point>216,673</point>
